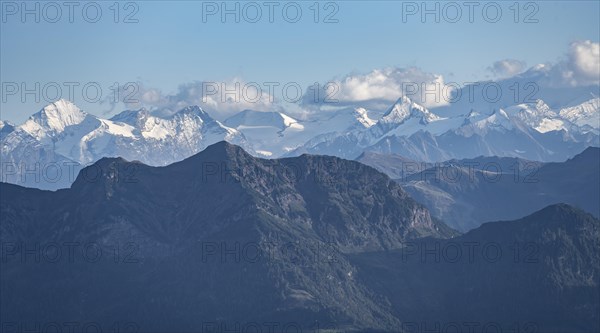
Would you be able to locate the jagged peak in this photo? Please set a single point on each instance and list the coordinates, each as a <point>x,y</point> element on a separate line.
<point>59,114</point>
<point>192,110</point>
<point>4,123</point>
<point>537,108</point>
<point>53,118</point>
<point>403,101</point>
<point>405,108</point>
<point>541,105</point>
<point>129,116</point>
<point>362,116</point>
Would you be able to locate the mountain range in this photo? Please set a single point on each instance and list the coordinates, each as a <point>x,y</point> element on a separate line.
<point>223,239</point>
<point>59,140</point>
<point>530,131</point>
<point>465,193</point>
<point>312,210</point>
<point>49,149</point>
<point>538,273</point>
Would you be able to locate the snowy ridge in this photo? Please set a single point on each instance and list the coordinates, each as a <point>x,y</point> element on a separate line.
<point>530,130</point>
<point>538,116</point>
<point>405,109</point>
<point>63,132</point>
<point>585,114</point>
<point>53,118</point>
<point>274,134</point>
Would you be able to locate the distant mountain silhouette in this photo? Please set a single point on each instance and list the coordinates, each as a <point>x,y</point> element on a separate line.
<point>538,274</point>
<point>466,193</point>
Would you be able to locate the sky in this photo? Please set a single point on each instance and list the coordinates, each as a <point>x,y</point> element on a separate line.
<point>166,49</point>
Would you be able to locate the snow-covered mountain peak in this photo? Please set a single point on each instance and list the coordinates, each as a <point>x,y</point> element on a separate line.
<point>498,120</point>
<point>405,108</point>
<point>541,105</point>
<point>363,117</point>
<point>61,131</point>
<point>5,124</point>
<point>586,114</point>
<point>53,118</point>
<point>404,100</point>
<point>58,115</point>
<point>537,109</point>
<point>131,117</point>
<point>193,110</point>
<point>538,116</point>
<point>399,110</point>
<point>472,117</point>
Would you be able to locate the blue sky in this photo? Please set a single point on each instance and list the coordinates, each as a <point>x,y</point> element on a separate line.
<point>170,45</point>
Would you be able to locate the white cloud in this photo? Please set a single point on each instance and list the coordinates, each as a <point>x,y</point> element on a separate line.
<point>507,68</point>
<point>219,99</point>
<point>376,90</point>
<point>584,61</point>
<point>379,88</point>
<point>580,67</point>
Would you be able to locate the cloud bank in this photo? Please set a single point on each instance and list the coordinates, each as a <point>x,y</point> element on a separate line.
<point>378,88</point>
<point>219,99</point>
